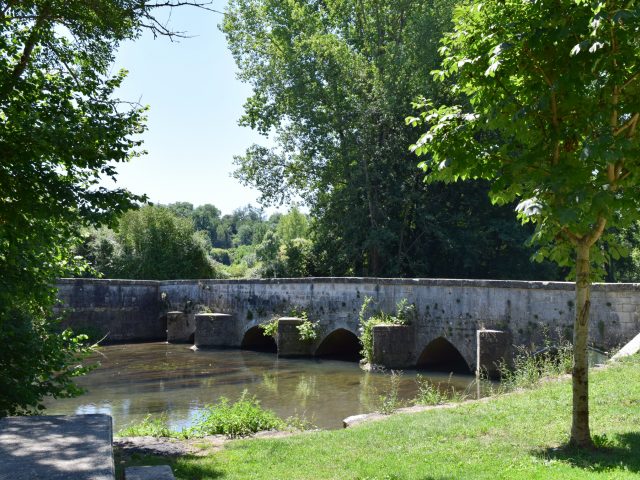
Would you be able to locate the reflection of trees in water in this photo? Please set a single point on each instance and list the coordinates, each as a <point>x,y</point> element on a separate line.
<point>270,382</point>
<point>306,389</point>
<point>368,392</point>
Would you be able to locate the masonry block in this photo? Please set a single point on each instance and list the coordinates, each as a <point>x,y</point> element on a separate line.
<point>216,330</point>
<point>289,342</point>
<point>56,447</point>
<point>393,346</point>
<point>181,327</point>
<point>157,472</point>
<point>493,348</point>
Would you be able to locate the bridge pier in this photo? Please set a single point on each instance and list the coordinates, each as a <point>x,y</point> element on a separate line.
<point>289,342</point>
<point>493,348</point>
<point>216,330</point>
<point>181,327</point>
<point>393,346</point>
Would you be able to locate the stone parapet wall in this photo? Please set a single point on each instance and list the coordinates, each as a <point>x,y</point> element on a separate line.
<point>121,310</point>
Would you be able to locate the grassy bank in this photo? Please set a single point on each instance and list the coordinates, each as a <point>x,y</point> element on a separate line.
<point>520,435</point>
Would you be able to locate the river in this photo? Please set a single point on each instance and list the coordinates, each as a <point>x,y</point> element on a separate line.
<point>134,380</point>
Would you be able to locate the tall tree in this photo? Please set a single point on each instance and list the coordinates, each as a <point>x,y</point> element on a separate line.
<point>61,129</point>
<point>158,244</point>
<point>554,101</point>
<point>332,82</point>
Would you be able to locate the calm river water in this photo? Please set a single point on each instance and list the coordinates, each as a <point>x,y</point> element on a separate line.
<point>137,379</point>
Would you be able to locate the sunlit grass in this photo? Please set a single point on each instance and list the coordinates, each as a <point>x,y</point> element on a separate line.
<point>521,435</point>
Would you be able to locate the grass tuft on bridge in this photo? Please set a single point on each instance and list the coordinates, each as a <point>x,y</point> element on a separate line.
<point>521,435</point>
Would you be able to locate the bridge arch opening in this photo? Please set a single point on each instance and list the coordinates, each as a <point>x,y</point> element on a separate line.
<point>440,355</point>
<point>255,339</point>
<point>341,344</point>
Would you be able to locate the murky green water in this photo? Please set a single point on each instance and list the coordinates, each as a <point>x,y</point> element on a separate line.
<point>136,379</point>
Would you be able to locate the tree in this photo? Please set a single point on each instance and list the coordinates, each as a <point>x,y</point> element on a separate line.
<point>553,104</point>
<point>207,218</point>
<point>158,244</point>
<point>181,209</point>
<point>332,81</point>
<point>61,129</point>
<point>293,225</point>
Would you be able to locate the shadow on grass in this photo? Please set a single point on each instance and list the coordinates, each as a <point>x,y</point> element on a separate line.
<point>619,451</point>
<point>195,470</point>
<point>190,470</point>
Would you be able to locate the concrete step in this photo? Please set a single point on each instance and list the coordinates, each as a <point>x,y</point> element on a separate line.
<point>158,472</point>
<point>630,348</point>
<point>76,447</point>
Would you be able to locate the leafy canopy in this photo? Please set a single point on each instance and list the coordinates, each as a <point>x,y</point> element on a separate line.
<point>61,129</point>
<point>551,114</point>
<point>331,83</point>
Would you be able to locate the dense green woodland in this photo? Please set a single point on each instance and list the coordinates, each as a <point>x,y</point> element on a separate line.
<point>178,241</point>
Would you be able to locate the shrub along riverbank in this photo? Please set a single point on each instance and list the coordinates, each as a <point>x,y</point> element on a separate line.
<point>516,436</point>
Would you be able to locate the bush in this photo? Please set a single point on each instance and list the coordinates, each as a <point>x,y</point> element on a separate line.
<point>529,368</point>
<point>149,427</point>
<point>307,330</point>
<point>390,401</point>
<point>37,361</point>
<point>432,394</point>
<point>270,329</point>
<point>238,419</point>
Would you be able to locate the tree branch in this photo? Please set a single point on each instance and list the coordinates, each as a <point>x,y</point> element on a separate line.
<point>27,51</point>
<point>597,233</point>
<point>574,238</point>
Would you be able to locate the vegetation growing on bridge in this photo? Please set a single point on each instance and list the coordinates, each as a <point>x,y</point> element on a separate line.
<point>307,330</point>
<point>369,317</point>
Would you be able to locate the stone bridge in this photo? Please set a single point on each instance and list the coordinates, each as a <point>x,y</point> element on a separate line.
<point>444,333</point>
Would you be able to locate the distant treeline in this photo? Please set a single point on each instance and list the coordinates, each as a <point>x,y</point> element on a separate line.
<point>179,241</point>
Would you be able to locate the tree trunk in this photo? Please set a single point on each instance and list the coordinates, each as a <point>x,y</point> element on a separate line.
<point>580,434</point>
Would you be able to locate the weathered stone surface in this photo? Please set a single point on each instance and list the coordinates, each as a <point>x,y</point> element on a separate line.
<point>289,342</point>
<point>449,309</point>
<point>216,330</point>
<point>493,349</point>
<point>393,346</point>
<point>157,472</point>
<point>76,447</point>
<point>120,310</point>
<point>181,327</point>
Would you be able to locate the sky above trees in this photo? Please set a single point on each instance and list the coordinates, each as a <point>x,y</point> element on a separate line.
<point>195,103</point>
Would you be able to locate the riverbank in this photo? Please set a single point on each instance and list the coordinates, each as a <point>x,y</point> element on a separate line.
<point>520,435</point>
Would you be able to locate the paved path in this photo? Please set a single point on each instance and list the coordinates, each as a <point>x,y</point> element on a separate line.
<point>76,447</point>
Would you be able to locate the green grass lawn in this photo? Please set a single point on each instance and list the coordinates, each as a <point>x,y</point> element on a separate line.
<point>515,436</point>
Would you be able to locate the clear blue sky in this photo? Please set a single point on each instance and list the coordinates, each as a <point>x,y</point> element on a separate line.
<point>195,102</point>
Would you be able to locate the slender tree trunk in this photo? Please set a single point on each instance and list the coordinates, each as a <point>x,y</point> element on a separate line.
<point>580,434</point>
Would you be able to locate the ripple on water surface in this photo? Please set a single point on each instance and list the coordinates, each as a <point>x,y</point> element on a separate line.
<point>134,380</point>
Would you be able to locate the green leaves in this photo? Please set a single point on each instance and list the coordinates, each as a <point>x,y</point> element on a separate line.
<point>61,130</point>
<point>549,114</point>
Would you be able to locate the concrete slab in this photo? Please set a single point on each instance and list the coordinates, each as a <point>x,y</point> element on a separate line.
<point>76,447</point>
<point>629,349</point>
<point>158,472</point>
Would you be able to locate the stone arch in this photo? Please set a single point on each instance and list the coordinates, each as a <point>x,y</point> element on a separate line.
<point>255,339</point>
<point>340,344</point>
<point>441,355</point>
